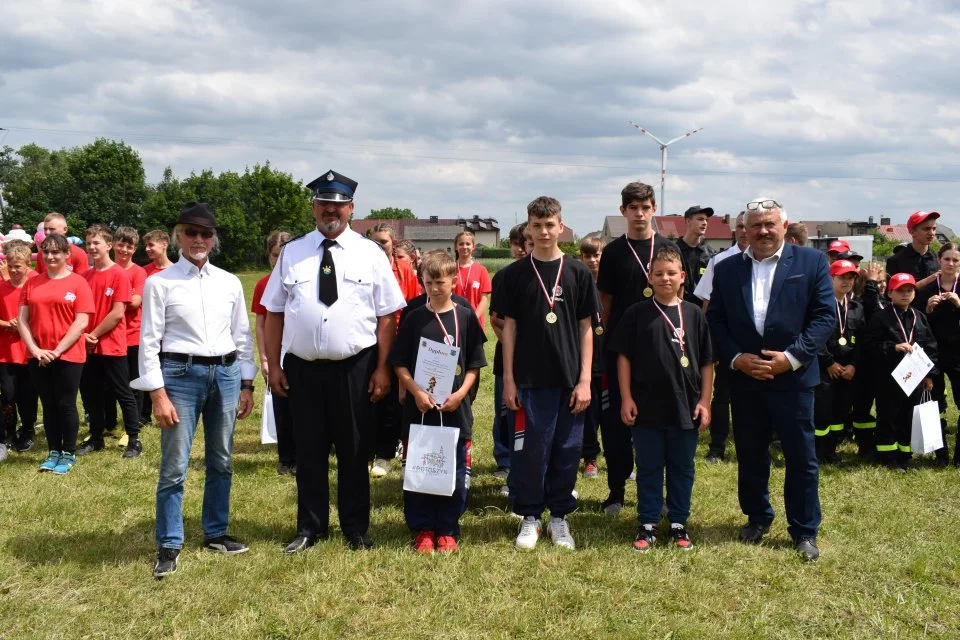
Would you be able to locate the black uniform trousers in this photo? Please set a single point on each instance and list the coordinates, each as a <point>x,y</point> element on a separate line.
<point>104,379</point>
<point>17,395</point>
<point>894,420</point>
<point>948,369</point>
<point>616,436</point>
<point>720,410</point>
<point>330,404</point>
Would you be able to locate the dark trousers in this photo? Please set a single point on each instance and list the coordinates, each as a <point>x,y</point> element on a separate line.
<point>441,514</point>
<point>789,415</point>
<point>110,408</point>
<point>599,398</point>
<point>720,410</point>
<point>387,415</point>
<point>57,384</point>
<point>832,412</point>
<point>617,444</point>
<point>330,404</point>
<point>947,370</point>
<point>18,395</point>
<point>286,440</point>
<point>104,379</point>
<point>894,421</point>
<point>664,448</point>
<point>546,453</point>
<point>502,435</point>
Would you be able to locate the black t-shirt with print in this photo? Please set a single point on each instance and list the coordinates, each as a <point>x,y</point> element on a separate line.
<point>621,275</point>
<point>496,298</point>
<point>665,392</point>
<point>422,323</point>
<point>547,355</point>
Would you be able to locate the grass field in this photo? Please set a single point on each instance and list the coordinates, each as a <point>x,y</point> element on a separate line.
<point>76,554</point>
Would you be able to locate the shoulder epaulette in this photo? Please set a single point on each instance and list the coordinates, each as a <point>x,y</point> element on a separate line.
<point>286,242</point>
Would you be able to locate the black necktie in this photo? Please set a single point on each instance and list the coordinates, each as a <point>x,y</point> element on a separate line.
<point>328,275</point>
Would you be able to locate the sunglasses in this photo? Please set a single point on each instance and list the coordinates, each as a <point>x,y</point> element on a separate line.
<point>206,234</point>
<point>763,204</point>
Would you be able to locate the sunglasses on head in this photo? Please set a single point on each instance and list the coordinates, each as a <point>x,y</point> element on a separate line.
<point>763,204</point>
<point>206,234</point>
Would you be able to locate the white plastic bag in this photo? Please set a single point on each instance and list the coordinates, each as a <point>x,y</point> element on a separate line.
<point>431,459</point>
<point>268,426</point>
<point>926,436</point>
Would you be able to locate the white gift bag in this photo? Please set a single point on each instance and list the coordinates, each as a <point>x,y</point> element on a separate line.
<point>268,426</point>
<point>431,459</point>
<point>926,436</point>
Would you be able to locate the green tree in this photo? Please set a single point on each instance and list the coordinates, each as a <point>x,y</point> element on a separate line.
<point>391,213</point>
<point>882,246</point>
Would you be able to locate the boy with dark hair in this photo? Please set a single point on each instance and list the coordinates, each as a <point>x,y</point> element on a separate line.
<point>694,250</point>
<point>548,304</point>
<point>435,519</point>
<point>591,249</point>
<point>665,372</point>
<point>891,334</point>
<point>105,371</point>
<point>623,280</point>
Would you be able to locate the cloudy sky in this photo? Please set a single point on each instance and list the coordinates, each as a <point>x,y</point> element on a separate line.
<point>837,109</point>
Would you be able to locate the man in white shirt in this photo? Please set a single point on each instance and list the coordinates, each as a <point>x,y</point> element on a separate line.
<point>196,359</point>
<point>330,325</point>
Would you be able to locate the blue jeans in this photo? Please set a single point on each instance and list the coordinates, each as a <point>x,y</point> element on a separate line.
<point>213,392</point>
<point>657,449</point>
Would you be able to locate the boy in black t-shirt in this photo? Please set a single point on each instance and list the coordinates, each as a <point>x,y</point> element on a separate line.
<point>665,367</point>
<point>591,250</point>
<point>622,281</point>
<point>435,519</point>
<point>548,303</point>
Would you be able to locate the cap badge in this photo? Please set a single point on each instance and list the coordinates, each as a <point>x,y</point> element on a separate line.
<point>330,177</point>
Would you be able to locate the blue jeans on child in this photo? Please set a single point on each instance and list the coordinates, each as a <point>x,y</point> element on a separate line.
<point>213,392</point>
<point>441,514</point>
<point>546,453</point>
<point>501,426</point>
<point>657,448</point>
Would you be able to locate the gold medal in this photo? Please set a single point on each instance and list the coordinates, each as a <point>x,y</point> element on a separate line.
<point>684,361</point>
<point>842,341</point>
<point>648,292</point>
<point>459,370</point>
<point>551,318</point>
<point>598,331</point>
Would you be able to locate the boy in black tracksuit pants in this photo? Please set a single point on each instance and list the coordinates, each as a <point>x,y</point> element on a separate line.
<point>839,362</point>
<point>890,335</point>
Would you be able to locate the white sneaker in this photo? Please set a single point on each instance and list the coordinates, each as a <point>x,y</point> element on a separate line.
<point>575,494</point>
<point>505,491</point>
<point>501,473</point>
<point>559,531</point>
<point>380,468</point>
<point>529,534</point>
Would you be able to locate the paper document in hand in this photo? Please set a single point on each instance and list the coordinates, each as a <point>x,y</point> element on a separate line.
<point>436,368</point>
<point>912,369</point>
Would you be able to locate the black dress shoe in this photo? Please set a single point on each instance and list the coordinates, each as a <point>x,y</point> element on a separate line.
<point>359,541</point>
<point>300,543</point>
<point>753,533</point>
<point>807,549</point>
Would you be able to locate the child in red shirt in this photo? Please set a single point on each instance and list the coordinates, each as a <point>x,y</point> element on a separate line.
<point>105,375</point>
<point>473,279</point>
<point>17,391</point>
<point>155,245</point>
<point>54,310</point>
<point>286,449</point>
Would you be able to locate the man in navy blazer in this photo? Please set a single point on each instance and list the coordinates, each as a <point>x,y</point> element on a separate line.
<point>771,310</point>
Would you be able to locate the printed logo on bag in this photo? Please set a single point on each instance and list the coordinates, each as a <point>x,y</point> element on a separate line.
<point>431,464</point>
<point>70,296</point>
<point>108,292</point>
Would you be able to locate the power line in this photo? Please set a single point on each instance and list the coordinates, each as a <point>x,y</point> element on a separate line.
<point>360,150</point>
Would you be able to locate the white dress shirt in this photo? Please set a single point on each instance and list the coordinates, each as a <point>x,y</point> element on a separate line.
<point>199,312</point>
<point>366,290</point>
<point>705,286</point>
<point>762,285</point>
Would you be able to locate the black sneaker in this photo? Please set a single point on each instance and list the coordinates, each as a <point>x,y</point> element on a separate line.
<point>299,543</point>
<point>166,562</point>
<point>225,544</point>
<point>753,533</point>
<point>22,445</point>
<point>807,549</point>
<point>646,538</point>
<point>680,537</point>
<point>714,457</point>
<point>90,446</point>
<point>359,541</point>
<point>612,505</point>
<point>134,448</point>
<point>286,469</point>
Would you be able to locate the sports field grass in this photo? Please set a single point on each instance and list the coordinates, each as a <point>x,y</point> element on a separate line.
<point>76,554</point>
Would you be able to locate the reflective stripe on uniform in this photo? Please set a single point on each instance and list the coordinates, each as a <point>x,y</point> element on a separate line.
<point>865,425</point>
<point>836,427</point>
<point>886,447</point>
<point>821,432</point>
<point>905,448</point>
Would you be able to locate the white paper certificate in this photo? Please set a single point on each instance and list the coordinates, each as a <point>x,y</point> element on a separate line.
<point>912,369</point>
<point>436,368</point>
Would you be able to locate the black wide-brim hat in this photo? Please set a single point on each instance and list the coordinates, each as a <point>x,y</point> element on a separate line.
<point>196,213</point>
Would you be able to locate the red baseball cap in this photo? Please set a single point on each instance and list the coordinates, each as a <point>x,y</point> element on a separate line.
<point>917,217</point>
<point>901,280</point>
<point>839,246</point>
<point>840,267</point>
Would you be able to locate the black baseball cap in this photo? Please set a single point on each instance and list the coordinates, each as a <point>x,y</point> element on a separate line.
<point>695,209</point>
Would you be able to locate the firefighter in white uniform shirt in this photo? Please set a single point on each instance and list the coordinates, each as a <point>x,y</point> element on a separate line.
<point>330,302</point>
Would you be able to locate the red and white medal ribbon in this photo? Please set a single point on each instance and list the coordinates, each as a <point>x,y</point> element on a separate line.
<point>842,320</point>
<point>678,332</point>
<point>550,299</point>
<point>940,289</point>
<point>447,340</point>
<point>460,282</point>
<point>903,331</point>
<point>646,269</point>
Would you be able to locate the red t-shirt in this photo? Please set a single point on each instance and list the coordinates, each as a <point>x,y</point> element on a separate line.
<point>255,306</point>
<point>407,279</point>
<point>12,349</point>
<point>137,276</point>
<point>473,283</point>
<point>152,269</point>
<point>54,305</point>
<point>77,263</point>
<point>109,286</point>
